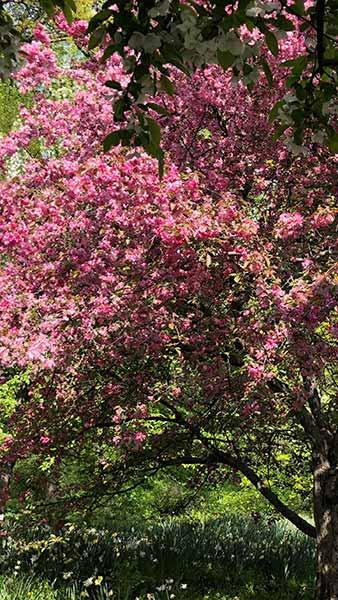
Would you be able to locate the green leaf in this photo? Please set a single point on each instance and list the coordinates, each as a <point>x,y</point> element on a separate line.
<point>161,164</point>
<point>290,82</point>
<point>115,85</point>
<point>120,136</point>
<point>109,51</point>
<point>243,5</point>
<point>120,107</point>
<point>225,59</point>
<point>68,12</point>
<point>167,85</point>
<point>172,56</point>
<point>155,131</point>
<point>280,130</point>
<point>71,5</point>
<point>300,92</point>
<point>48,6</point>
<point>267,72</point>
<point>297,8</point>
<point>298,116</point>
<point>332,142</point>
<point>205,134</point>
<point>298,65</point>
<point>154,150</point>
<point>284,24</point>
<point>305,26</point>
<point>112,139</point>
<point>247,69</point>
<point>101,16</point>
<point>96,37</point>
<point>158,108</point>
<point>272,42</point>
<point>126,135</point>
<point>298,135</point>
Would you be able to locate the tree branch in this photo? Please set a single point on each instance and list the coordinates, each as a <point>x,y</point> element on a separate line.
<point>263,489</point>
<point>220,457</point>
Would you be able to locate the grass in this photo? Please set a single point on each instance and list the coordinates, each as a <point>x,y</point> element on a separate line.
<point>223,559</point>
<point>12,588</point>
<point>26,588</point>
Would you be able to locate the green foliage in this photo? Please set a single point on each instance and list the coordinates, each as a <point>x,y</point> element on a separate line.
<point>9,44</point>
<point>172,495</point>
<point>8,398</point>
<point>9,106</point>
<point>28,588</point>
<point>12,588</point>
<point>241,499</point>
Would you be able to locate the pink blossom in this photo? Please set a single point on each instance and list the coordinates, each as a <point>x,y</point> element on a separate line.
<point>44,439</point>
<point>256,371</point>
<point>139,438</point>
<point>289,225</point>
<point>119,413</point>
<point>41,34</point>
<point>323,217</point>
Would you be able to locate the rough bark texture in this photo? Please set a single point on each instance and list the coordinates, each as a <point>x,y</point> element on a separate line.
<point>326,520</point>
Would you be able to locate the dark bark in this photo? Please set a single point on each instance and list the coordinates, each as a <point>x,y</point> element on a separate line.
<point>326,521</point>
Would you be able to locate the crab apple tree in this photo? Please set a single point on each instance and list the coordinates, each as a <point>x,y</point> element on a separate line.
<point>188,320</point>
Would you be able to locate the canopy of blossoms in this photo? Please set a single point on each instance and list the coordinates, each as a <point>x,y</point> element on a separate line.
<point>131,300</point>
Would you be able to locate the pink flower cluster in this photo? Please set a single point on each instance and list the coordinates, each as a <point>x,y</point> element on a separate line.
<point>289,225</point>
<point>40,63</point>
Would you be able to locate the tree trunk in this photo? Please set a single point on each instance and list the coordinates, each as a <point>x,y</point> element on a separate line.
<point>326,521</point>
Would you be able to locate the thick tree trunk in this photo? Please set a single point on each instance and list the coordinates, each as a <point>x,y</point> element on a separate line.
<point>326,520</point>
